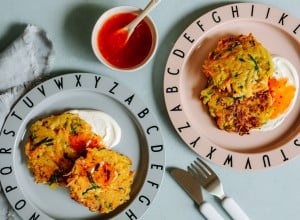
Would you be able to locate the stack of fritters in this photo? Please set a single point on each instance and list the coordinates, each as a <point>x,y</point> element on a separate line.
<point>237,93</point>
<point>63,150</point>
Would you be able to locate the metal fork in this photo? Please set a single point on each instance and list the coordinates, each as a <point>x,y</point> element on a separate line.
<point>211,182</point>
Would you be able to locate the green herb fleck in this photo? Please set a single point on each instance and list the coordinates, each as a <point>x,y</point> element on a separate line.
<point>254,61</point>
<point>47,141</point>
<point>109,206</point>
<point>54,178</point>
<point>93,184</point>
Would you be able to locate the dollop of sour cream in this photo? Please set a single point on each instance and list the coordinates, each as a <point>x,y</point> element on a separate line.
<point>283,68</point>
<point>102,124</point>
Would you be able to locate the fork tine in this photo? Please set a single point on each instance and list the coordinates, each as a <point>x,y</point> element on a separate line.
<point>192,170</point>
<point>200,170</point>
<point>197,171</point>
<point>205,166</point>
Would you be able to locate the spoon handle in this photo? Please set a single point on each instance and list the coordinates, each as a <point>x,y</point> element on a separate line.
<point>151,5</point>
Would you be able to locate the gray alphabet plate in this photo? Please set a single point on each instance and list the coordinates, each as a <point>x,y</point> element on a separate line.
<point>141,141</point>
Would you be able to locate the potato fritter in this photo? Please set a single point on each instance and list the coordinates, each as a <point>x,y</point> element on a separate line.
<point>54,143</point>
<point>244,114</point>
<point>239,65</point>
<point>237,93</point>
<point>102,180</point>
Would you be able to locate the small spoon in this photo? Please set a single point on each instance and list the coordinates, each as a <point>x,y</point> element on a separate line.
<point>124,33</point>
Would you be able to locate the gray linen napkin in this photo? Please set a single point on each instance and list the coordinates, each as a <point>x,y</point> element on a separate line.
<point>23,62</point>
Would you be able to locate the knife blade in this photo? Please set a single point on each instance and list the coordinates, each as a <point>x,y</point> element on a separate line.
<point>192,188</point>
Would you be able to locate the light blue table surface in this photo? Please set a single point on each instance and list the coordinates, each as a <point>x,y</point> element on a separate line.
<point>272,194</point>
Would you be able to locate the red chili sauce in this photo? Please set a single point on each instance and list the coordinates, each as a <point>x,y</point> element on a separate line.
<point>134,51</point>
<point>81,141</point>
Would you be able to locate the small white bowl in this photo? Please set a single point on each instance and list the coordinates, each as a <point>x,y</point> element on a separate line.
<point>108,14</point>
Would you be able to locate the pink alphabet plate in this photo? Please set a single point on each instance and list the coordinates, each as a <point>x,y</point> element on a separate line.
<point>279,32</point>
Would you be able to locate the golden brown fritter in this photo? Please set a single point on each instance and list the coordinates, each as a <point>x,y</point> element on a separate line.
<point>237,93</point>
<point>102,180</point>
<point>54,143</point>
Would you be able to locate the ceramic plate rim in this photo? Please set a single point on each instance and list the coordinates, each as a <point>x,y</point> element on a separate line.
<point>145,119</point>
<point>177,59</point>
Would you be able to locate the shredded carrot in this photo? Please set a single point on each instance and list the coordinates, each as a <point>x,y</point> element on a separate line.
<point>282,94</point>
<point>105,174</point>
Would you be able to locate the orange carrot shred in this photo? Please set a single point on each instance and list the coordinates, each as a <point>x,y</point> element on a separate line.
<point>282,94</point>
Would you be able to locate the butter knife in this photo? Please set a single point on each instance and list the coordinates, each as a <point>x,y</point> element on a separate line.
<point>191,186</point>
